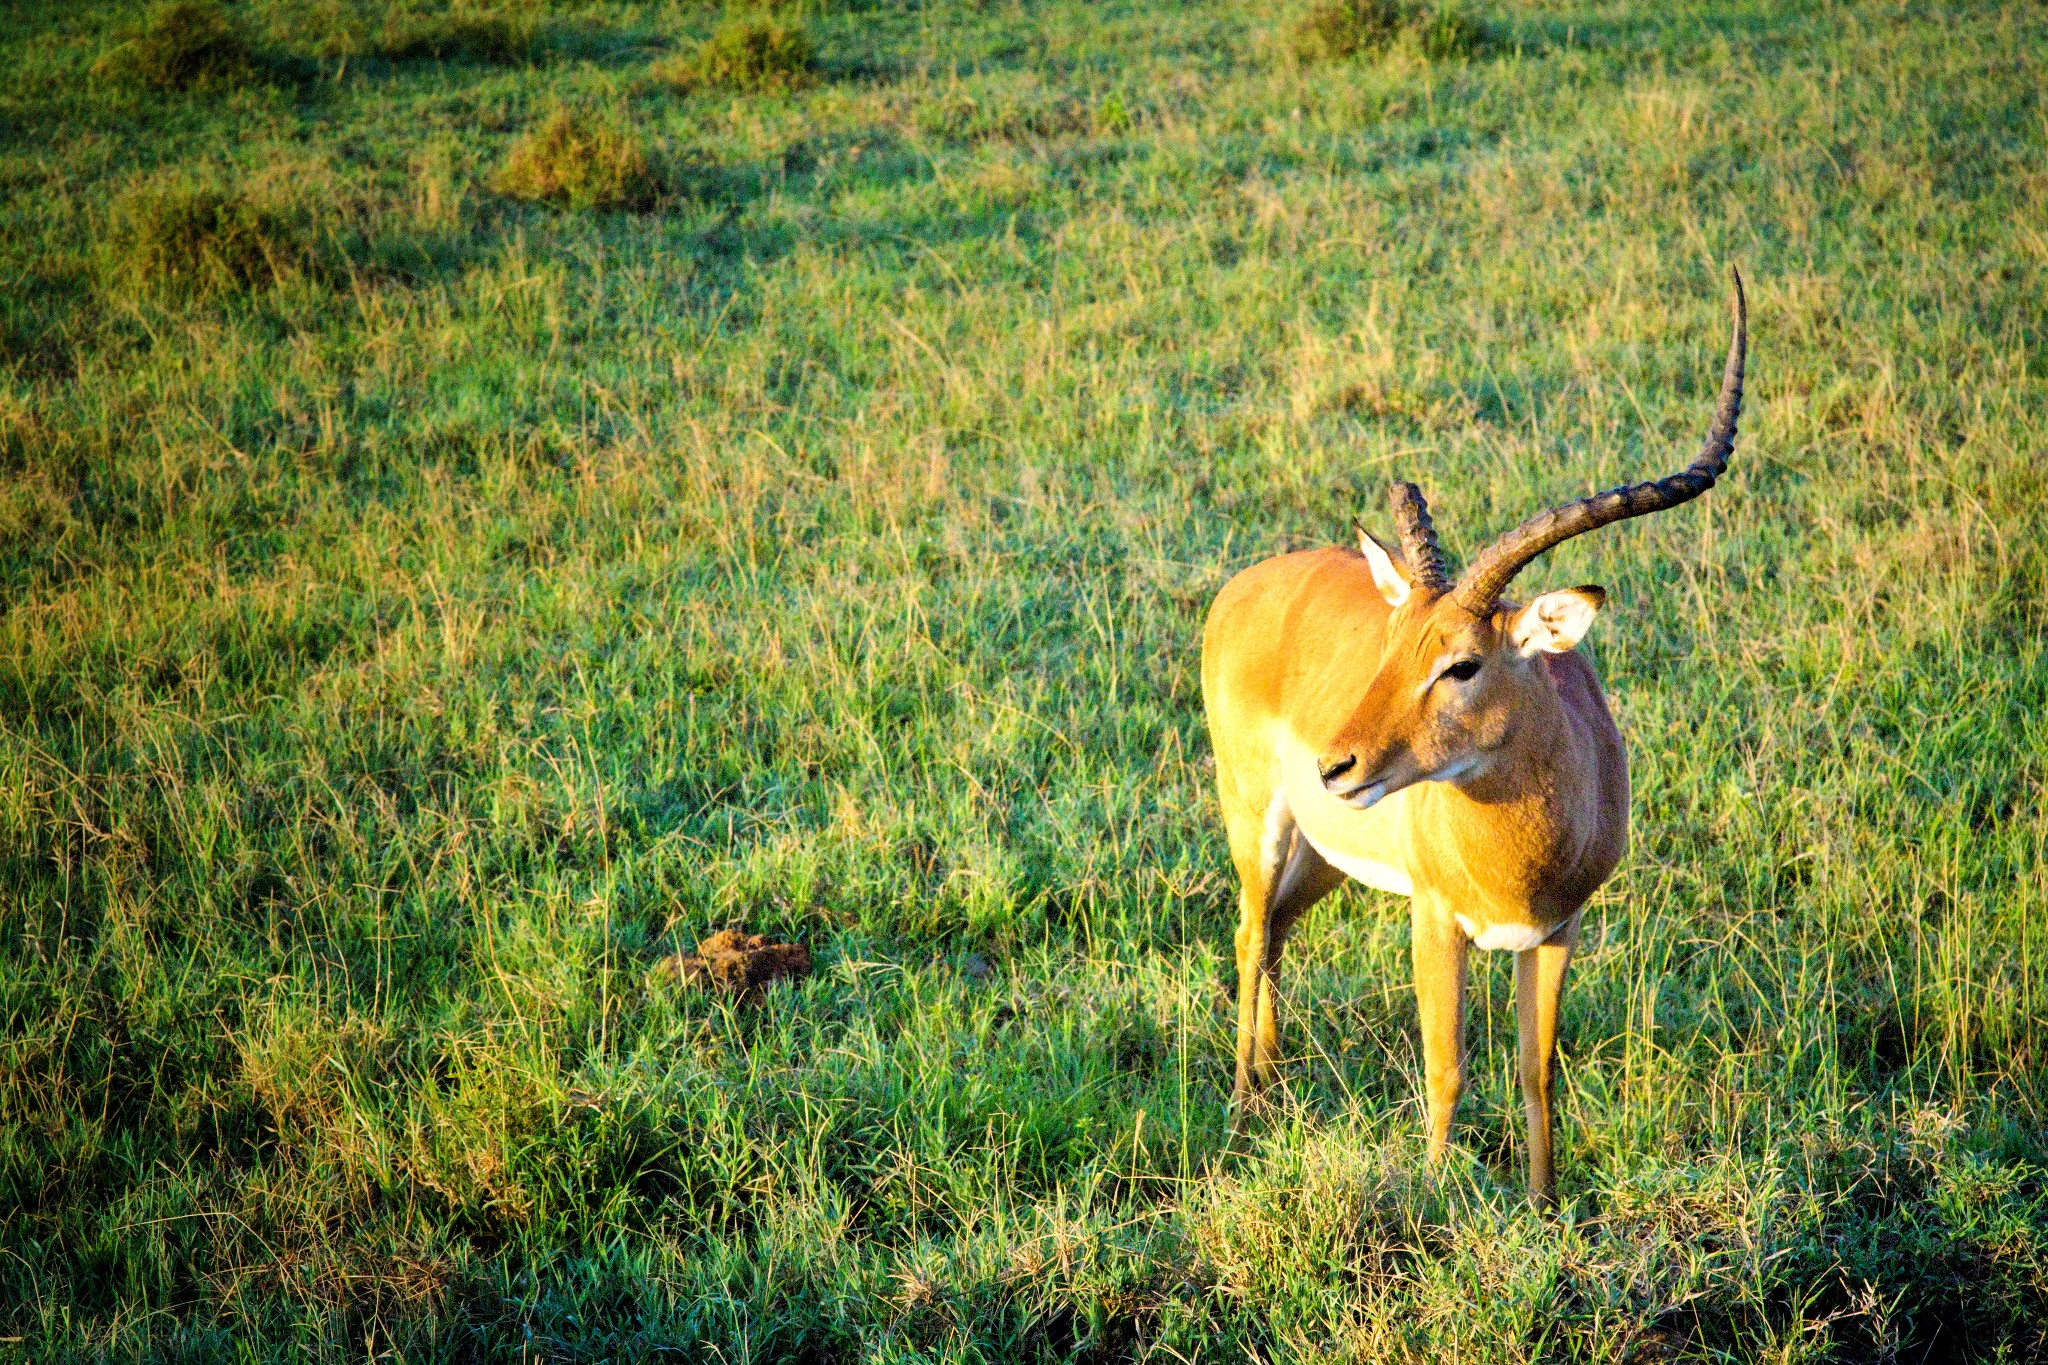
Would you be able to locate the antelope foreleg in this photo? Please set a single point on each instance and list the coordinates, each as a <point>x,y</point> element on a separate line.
<point>1539,985</point>
<point>1438,947</point>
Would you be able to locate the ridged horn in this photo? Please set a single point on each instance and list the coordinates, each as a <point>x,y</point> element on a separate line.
<point>1489,574</point>
<point>1418,538</point>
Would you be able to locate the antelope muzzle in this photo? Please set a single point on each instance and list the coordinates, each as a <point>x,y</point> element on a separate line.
<point>1345,778</point>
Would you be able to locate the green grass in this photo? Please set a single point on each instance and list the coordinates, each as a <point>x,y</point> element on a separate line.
<point>402,653</point>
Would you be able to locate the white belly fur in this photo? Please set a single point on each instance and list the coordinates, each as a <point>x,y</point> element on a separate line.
<point>1376,875</point>
<point>1511,938</point>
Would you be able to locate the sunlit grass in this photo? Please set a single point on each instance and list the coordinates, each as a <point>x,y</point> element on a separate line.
<point>405,649</point>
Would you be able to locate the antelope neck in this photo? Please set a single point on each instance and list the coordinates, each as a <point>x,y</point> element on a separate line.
<point>1518,808</point>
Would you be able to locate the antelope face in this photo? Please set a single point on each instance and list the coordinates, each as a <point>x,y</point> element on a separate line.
<point>1450,684</point>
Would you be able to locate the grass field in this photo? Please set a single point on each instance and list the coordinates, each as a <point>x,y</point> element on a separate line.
<point>443,574</point>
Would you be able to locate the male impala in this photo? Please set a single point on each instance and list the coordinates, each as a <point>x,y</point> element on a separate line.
<point>1372,718</point>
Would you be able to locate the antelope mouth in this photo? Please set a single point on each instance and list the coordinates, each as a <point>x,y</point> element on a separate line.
<point>1366,795</point>
<point>1363,796</point>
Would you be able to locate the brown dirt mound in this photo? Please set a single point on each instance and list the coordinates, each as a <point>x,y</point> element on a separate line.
<point>736,963</point>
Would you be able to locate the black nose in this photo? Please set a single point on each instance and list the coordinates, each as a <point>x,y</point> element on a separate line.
<point>1333,768</point>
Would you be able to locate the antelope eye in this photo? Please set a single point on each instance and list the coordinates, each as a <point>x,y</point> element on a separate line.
<point>1464,670</point>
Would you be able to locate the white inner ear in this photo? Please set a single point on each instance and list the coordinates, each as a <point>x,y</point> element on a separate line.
<point>1554,622</point>
<point>1392,586</point>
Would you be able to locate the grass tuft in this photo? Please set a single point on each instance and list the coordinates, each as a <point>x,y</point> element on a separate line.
<point>181,45</point>
<point>745,54</point>
<point>579,159</point>
<point>186,231</point>
<point>1334,30</point>
<point>489,36</point>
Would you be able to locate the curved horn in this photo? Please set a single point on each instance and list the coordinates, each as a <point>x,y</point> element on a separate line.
<point>1418,537</point>
<point>1502,560</point>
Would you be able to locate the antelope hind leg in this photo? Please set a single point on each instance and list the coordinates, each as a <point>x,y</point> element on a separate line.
<point>1251,950</point>
<point>1251,849</point>
<point>1280,876</point>
<point>1303,880</point>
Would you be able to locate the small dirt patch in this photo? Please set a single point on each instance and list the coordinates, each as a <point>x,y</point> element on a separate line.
<point>732,962</point>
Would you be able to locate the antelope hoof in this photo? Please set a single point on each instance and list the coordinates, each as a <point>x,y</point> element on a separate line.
<point>1247,1105</point>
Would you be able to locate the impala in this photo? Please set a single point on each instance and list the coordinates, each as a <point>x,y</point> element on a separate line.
<point>1373,718</point>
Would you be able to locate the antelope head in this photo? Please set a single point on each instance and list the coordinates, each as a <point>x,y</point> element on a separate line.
<point>1459,664</point>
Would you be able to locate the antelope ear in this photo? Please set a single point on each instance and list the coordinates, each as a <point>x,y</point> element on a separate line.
<point>1393,584</point>
<point>1555,622</point>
